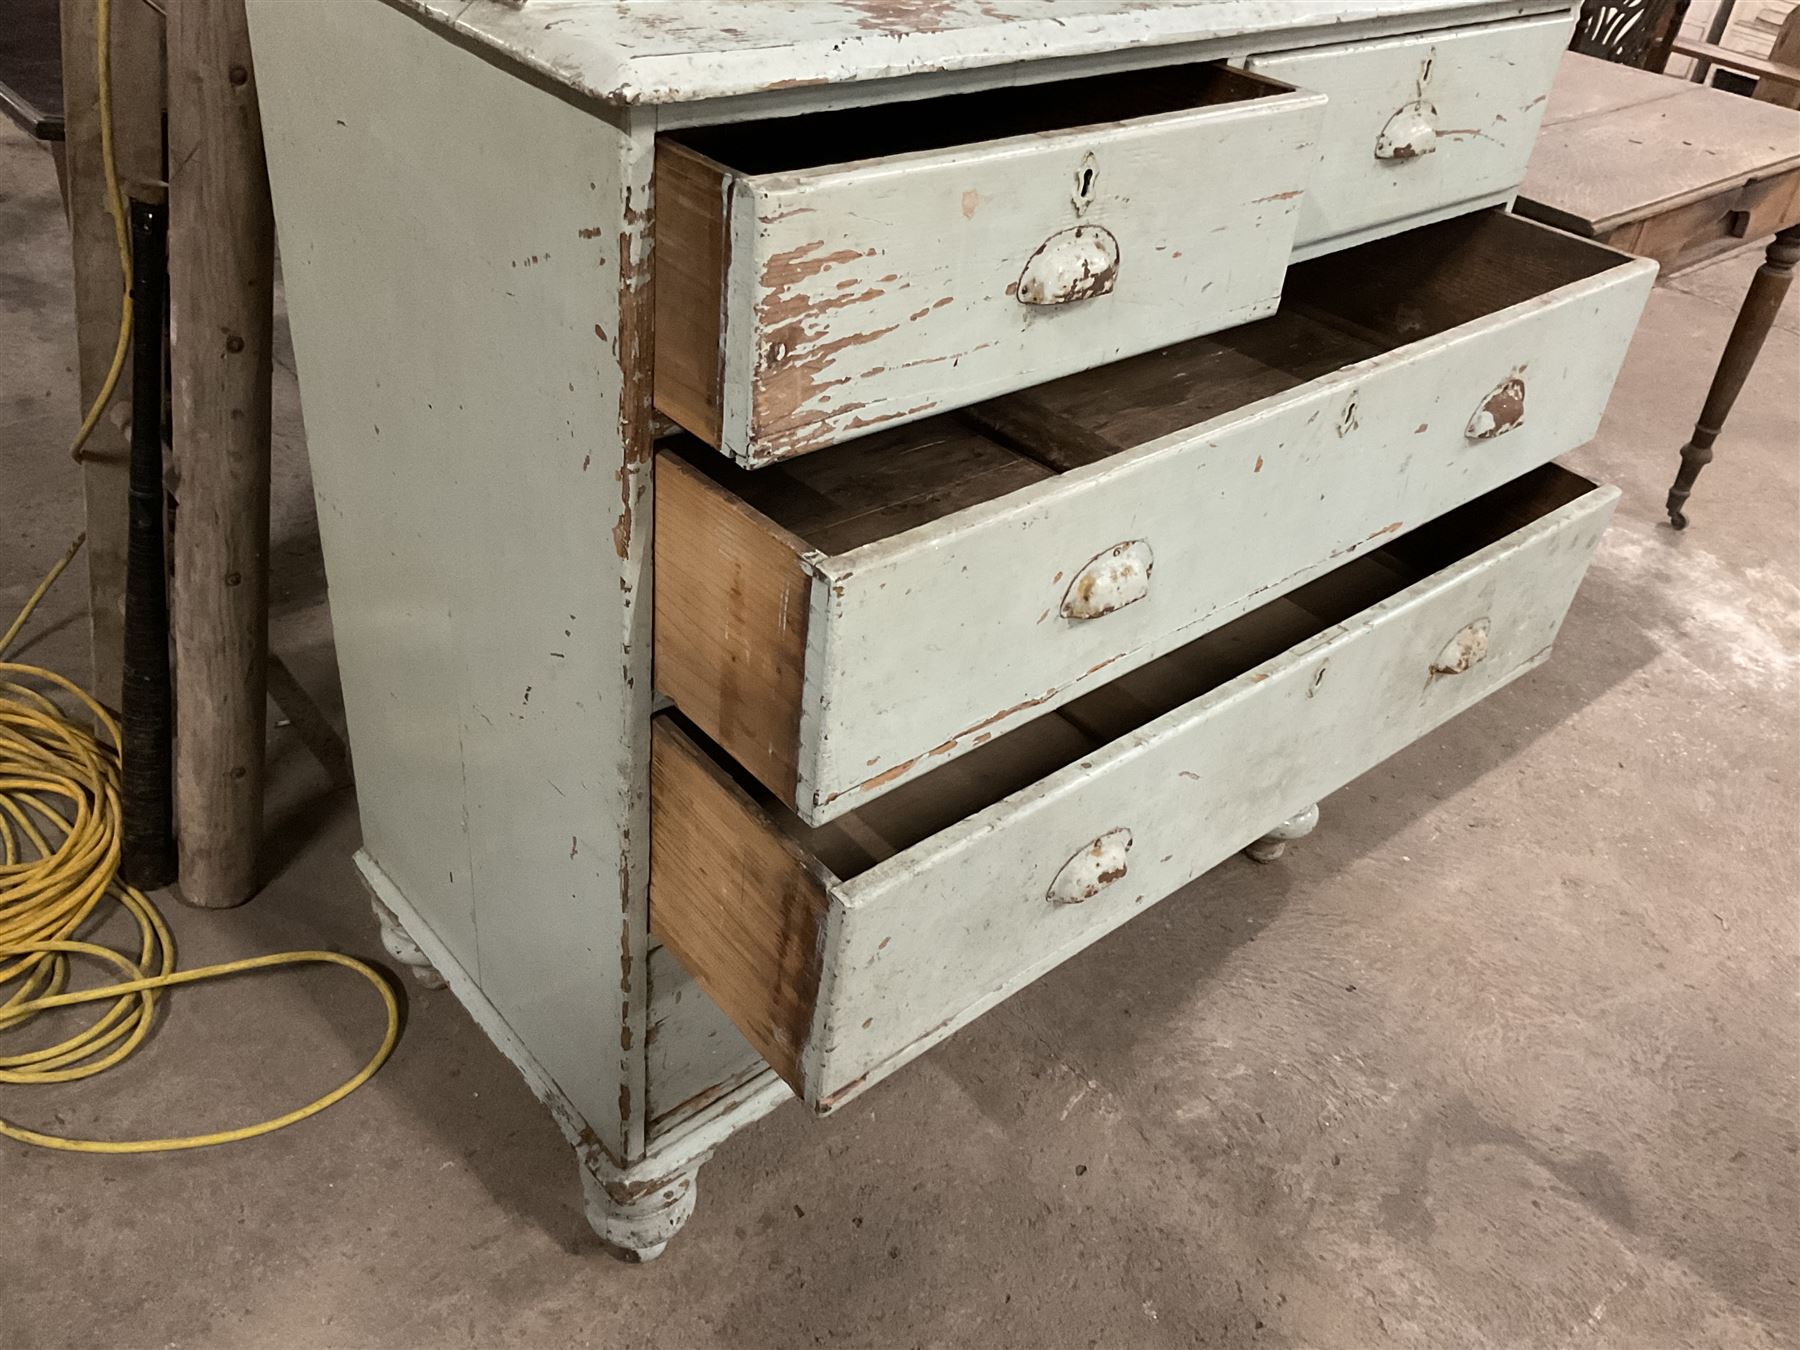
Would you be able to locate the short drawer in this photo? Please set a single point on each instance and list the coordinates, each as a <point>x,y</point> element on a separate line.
<point>821,276</point>
<point>846,622</point>
<point>1419,124</point>
<point>845,951</point>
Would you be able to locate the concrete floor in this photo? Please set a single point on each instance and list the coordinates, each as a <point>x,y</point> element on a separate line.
<point>1506,1054</point>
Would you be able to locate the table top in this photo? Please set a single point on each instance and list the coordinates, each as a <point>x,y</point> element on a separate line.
<point>31,67</point>
<point>1620,145</point>
<point>674,51</point>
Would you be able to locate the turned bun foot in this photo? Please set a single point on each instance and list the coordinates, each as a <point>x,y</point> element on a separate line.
<point>403,949</point>
<point>635,1219</point>
<point>1273,844</point>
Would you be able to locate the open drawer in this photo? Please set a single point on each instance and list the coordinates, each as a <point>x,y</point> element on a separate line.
<point>845,622</point>
<point>844,951</point>
<point>822,275</point>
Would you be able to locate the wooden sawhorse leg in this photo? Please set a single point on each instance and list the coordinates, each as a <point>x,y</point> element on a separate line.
<point>1754,320</point>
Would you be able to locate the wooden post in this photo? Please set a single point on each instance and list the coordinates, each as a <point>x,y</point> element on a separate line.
<point>221,276</point>
<point>137,105</point>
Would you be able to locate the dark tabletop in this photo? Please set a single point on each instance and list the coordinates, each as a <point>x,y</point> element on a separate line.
<point>31,91</point>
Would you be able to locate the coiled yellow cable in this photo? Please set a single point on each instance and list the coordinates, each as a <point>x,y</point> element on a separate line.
<point>59,842</point>
<point>59,838</point>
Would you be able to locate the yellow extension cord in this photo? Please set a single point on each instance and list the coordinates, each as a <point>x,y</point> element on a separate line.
<point>58,866</point>
<point>115,207</point>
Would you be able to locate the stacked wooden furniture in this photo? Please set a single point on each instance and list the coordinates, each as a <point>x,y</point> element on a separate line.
<point>830,509</point>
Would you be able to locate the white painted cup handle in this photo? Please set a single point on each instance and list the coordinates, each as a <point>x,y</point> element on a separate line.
<point>1465,651</point>
<point>1092,870</point>
<point>1503,410</point>
<point>1110,581</point>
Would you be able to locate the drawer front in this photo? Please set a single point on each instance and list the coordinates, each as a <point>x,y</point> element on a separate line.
<point>859,296</point>
<point>928,645</point>
<point>1418,124</point>
<point>838,983</point>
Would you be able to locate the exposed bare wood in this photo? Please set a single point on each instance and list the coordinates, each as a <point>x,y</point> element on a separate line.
<point>881,486</point>
<point>881,268</point>
<point>1429,281</point>
<point>847,962</point>
<point>692,253</point>
<point>733,898</point>
<point>731,613</point>
<point>1133,402</point>
<point>1637,155</point>
<point>221,272</point>
<point>1344,419</point>
<point>1686,236</point>
<point>888,622</point>
<point>1678,174</point>
<point>1022,422</point>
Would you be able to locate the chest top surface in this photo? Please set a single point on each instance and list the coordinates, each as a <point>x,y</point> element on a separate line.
<point>677,51</point>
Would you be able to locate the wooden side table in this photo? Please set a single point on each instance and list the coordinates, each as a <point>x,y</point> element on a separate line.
<point>1676,172</point>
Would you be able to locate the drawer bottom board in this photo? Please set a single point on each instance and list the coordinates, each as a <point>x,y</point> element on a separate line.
<point>843,951</point>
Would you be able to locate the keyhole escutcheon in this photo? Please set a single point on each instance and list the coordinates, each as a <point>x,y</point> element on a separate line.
<point>1083,196</point>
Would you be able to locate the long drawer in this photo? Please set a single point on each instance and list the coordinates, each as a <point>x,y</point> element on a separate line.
<point>820,276</point>
<point>846,622</point>
<point>1420,123</point>
<point>844,951</point>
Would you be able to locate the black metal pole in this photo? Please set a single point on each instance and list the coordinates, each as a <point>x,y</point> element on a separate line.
<point>147,721</point>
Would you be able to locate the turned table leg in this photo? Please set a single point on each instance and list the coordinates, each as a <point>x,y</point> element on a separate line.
<point>1754,320</point>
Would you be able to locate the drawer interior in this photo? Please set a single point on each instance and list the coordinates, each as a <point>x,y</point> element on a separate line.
<point>914,811</point>
<point>1336,311</point>
<point>816,140</point>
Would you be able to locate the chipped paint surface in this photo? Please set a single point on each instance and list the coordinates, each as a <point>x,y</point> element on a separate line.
<point>934,936</point>
<point>1421,122</point>
<point>494,544</point>
<point>1224,542</point>
<point>707,49</point>
<point>866,295</point>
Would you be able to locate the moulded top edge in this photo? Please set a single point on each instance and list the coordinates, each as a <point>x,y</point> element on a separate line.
<point>681,51</point>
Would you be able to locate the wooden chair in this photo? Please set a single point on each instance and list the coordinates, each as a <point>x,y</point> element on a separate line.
<point>1638,33</point>
<point>1645,33</point>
